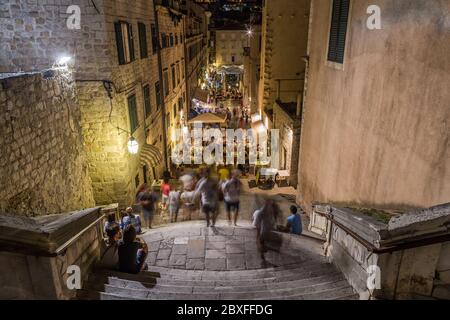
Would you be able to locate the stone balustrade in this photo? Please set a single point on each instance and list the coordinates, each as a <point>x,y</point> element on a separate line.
<point>408,257</point>
<point>35,253</point>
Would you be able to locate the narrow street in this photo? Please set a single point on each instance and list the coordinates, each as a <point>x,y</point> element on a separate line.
<point>128,127</point>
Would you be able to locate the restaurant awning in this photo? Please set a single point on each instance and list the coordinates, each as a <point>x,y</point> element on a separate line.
<point>201,95</point>
<point>150,156</point>
<point>232,69</point>
<point>209,118</point>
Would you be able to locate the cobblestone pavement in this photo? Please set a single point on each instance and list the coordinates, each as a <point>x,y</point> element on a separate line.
<point>192,246</point>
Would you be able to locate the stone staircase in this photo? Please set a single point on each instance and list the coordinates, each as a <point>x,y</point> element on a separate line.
<point>295,283</point>
<point>293,273</point>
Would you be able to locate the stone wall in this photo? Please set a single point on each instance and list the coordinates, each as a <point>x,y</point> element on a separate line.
<point>43,167</point>
<point>115,173</point>
<point>376,130</point>
<point>35,35</point>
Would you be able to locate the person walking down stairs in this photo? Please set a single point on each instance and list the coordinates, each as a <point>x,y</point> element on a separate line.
<point>208,190</point>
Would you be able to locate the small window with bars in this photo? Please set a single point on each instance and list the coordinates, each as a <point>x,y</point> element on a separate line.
<point>338,31</point>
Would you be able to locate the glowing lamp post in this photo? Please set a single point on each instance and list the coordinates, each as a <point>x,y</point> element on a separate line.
<point>133,146</point>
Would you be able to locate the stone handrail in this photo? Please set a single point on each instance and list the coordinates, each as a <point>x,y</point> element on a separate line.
<point>36,253</point>
<point>47,236</point>
<point>409,255</point>
<point>398,235</point>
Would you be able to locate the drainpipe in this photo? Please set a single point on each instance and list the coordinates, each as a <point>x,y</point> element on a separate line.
<point>161,86</point>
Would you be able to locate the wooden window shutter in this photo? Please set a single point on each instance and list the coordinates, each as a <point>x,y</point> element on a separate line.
<point>338,30</point>
<point>119,42</point>
<point>131,41</point>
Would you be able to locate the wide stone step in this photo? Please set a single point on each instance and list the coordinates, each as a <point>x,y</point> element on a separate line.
<point>183,276</point>
<point>326,290</point>
<point>219,286</point>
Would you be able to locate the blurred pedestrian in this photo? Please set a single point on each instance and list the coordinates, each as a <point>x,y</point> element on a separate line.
<point>174,205</point>
<point>165,190</point>
<point>231,193</point>
<point>207,190</point>
<point>264,220</point>
<point>148,202</point>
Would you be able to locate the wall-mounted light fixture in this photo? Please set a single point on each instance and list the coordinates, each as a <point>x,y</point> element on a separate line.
<point>63,61</point>
<point>133,146</point>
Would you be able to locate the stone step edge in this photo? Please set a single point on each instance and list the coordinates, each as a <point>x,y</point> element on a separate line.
<point>89,294</point>
<point>171,271</point>
<point>269,277</point>
<point>213,289</point>
<point>278,291</point>
<point>142,277</point>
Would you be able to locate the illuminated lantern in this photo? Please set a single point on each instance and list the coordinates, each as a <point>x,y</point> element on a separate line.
<point>133,146</point>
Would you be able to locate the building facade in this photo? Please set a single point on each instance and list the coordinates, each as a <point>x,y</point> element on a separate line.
<point>196,47</point>
<point>229,45</point>
<point>252,66</point>
<point>284,43</point>
<point>122,104</point>
<point>171,31</point>
<point>375,119</point>
<point>129,69</point>
<point>282,72</point>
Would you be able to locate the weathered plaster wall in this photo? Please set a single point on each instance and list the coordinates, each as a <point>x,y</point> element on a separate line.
<point>43,167</point>
<point>377,132</point>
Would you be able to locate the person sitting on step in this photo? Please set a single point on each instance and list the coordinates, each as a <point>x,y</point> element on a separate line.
<point>110,251</point>
<point>294,223</point>
<point>110,222</point>
<point>131,218</point>
<point>132,252</point>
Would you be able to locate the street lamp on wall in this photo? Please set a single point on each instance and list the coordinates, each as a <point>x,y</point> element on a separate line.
<point>133,146</point>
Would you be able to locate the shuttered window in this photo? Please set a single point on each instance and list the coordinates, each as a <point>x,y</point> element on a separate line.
<point>132,112</point>
<point>143,40</point>
<point>163,40</point>
<point>338,31</point>
<point>124,42</point>
<point>147,104</point>
<point>166,83</point>
<point>174,80</point>
<point>158,94</point>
